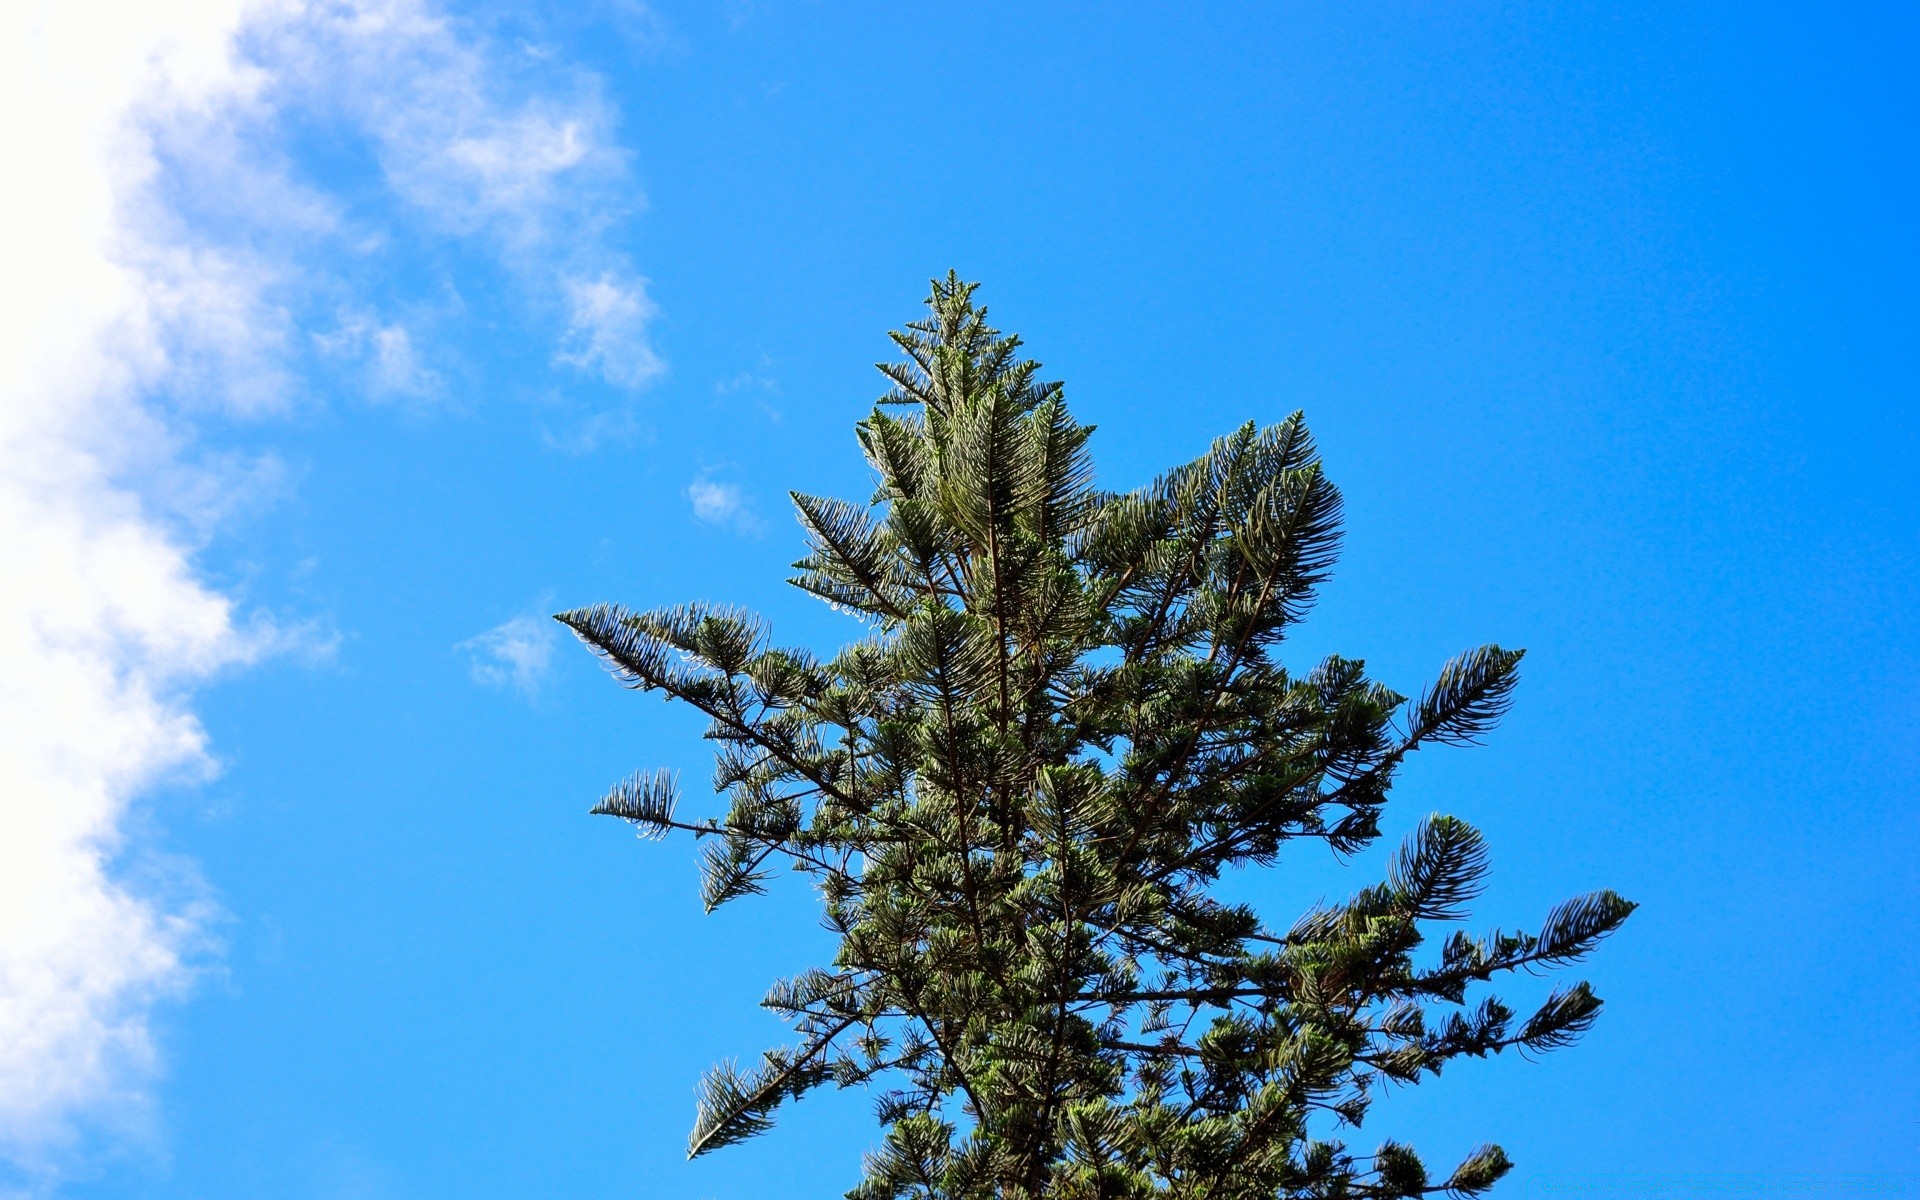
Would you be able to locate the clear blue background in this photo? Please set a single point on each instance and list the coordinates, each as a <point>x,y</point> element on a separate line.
<point>1604,316</point>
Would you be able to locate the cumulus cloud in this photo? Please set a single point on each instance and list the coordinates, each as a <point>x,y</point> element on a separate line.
<point>103,623</point>
<point>516,654</point>
<point>166,265</point>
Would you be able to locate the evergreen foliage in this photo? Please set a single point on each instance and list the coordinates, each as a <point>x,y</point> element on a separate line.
<point>1018,793</point>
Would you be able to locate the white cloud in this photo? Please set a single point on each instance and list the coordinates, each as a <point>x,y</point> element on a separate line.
<point>475,140</point>
<point>459,133</point>
<point>482,145</point>
<point>724,505</point>
<point>396,369</point>
<point>393,367</point>
<point>516,653</point>
<point>599,429</point>
<point>102,621</point>
<point>607,329</point>
<point>162,257</point>
<point>511,168</point>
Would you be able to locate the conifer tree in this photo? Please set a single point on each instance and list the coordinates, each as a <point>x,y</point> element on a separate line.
<point>1018,793</point>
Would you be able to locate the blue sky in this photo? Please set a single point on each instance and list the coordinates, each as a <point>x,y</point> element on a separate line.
<point>362,335</point>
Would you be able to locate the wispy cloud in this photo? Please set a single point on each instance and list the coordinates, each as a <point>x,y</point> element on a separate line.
<point>607,330</point>
<point>616,425</point>
<point>516,654</point>
<point>723,505</point>
<point>748,382</point>
<point>488,143</point>
<point>393,367</point>
<point>758,390</point>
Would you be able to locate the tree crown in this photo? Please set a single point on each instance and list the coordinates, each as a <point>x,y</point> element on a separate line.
<point>1018,792</point>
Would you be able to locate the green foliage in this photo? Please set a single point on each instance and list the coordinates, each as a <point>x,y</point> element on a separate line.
<point>1018,792</point>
